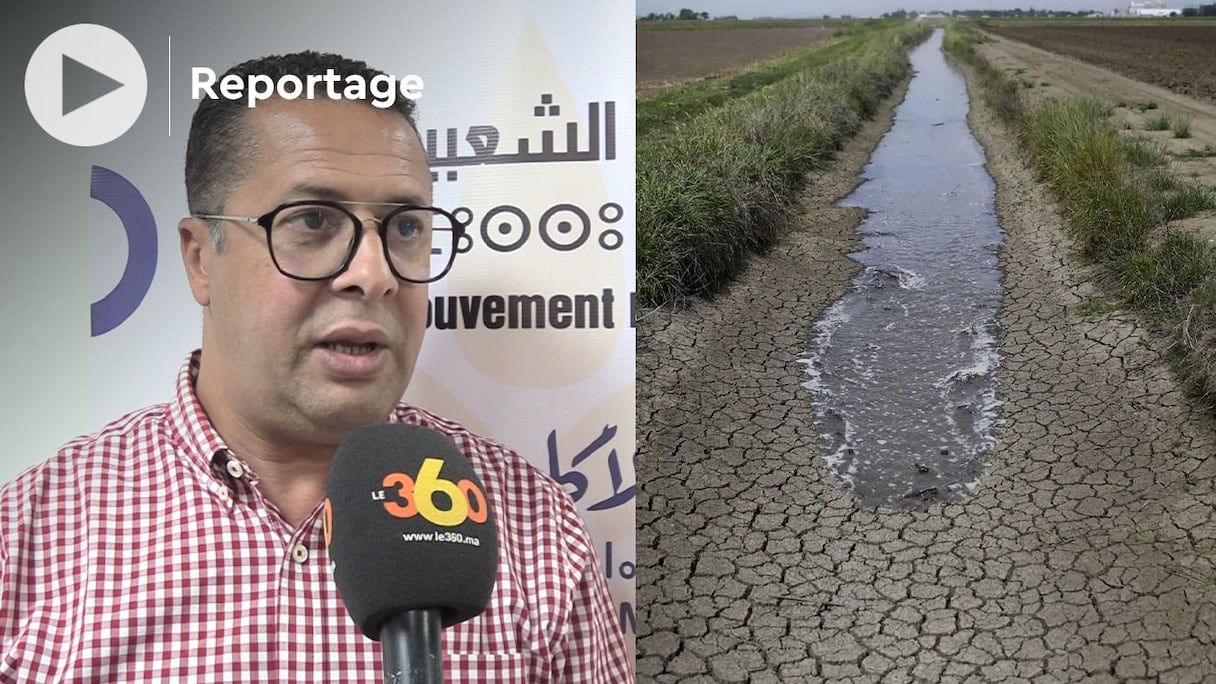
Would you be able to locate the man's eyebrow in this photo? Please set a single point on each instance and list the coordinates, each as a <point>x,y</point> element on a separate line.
<point>405,199</point>
<point>323,192</point>
<point>306,191</point>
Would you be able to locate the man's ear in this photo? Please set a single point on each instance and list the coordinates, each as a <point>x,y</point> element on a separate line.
<point>197,253</point>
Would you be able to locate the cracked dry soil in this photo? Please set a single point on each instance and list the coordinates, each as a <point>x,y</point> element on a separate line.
<point>1086,554</point>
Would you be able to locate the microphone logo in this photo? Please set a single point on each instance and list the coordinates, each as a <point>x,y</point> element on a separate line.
<point>405,497</point>
<point>328,522</point>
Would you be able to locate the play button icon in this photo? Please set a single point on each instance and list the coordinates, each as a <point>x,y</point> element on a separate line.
<point>82,85</point>
<point>85,85</point>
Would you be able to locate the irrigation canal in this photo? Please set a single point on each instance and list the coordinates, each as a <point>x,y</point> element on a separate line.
<point>902,367</point>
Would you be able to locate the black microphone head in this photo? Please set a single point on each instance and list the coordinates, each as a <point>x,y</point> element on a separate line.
<point>408,527</point>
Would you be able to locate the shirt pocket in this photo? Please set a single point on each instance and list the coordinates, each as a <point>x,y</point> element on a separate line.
<point>478,668</point>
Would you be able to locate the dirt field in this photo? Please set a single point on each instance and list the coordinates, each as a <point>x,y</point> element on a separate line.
<point>667,58</point>
<point>1180,57</point>
<point>1051,75</point>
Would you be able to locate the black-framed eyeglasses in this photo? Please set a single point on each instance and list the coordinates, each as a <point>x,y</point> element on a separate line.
<point>317,239</point>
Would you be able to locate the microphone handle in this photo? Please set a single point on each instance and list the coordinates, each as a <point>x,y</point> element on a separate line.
<point>410,648</point>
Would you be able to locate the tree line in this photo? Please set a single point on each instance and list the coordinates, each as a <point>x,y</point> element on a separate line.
<point>1201,11</point>
<point>684,15</point>
<point>975,14</point>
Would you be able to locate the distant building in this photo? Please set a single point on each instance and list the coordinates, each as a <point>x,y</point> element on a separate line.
<point>1151,8</point>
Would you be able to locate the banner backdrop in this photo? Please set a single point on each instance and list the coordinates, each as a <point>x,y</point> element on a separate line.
<point>527,117</point>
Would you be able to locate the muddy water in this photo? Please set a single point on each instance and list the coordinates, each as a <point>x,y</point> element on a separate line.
<point>902,367</point>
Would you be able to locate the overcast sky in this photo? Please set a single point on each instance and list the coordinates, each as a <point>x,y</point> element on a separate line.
<point>746,9</point>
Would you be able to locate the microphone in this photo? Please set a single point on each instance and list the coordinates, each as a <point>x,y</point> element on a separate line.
<point>412,541</point>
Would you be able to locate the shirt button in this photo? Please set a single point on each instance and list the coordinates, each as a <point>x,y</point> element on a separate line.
<point>300,553</point>
<point>224,493</point>
<point>235,469</point>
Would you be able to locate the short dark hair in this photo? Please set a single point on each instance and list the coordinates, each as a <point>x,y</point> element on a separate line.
<point>219,151</point>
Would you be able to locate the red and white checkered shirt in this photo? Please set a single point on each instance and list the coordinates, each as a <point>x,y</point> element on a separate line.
<point>146,553</point>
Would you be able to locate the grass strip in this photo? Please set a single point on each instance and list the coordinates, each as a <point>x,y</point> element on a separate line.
<point>729,24</point>
<point>686,102</point>
<point>714,188</point>
<point>1118,198</point>
<point>1208,150</point>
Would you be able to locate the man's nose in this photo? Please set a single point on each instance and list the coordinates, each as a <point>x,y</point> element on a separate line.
<point>369,273</point>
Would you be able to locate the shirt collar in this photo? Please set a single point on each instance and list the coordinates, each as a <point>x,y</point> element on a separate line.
<point>193,432</point>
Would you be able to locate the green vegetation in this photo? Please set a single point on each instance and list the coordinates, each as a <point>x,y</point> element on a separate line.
<point>720,23</point>
<point>1003,95</point>
<point>684,15</point>
<point>1097,306</point>
<point>1160,122</point>
<point>1142,153</point>
<point>1187,200</point>
<point>1119,197</point>
<point>1181,128</point>
<point>719,176</point>
<point>1138,106</point>
<point>1208,150</point>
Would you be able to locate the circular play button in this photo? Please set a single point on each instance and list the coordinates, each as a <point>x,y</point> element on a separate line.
<point>85,85</point>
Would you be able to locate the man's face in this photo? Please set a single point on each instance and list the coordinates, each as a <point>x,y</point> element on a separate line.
<point>307,361</point>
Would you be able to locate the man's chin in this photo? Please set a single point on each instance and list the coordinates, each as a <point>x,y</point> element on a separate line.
<point>343,414</point>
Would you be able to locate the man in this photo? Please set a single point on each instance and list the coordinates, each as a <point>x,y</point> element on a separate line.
<point>183,542</point>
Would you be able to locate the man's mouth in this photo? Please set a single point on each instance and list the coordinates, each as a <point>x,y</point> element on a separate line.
<point>352,349</point>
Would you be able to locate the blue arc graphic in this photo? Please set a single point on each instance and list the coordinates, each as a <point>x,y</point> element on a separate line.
<point>124,199</point>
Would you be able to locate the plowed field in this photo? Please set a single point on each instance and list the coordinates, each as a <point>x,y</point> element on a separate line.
<point>667,58</point>
<point>1174,55</point>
